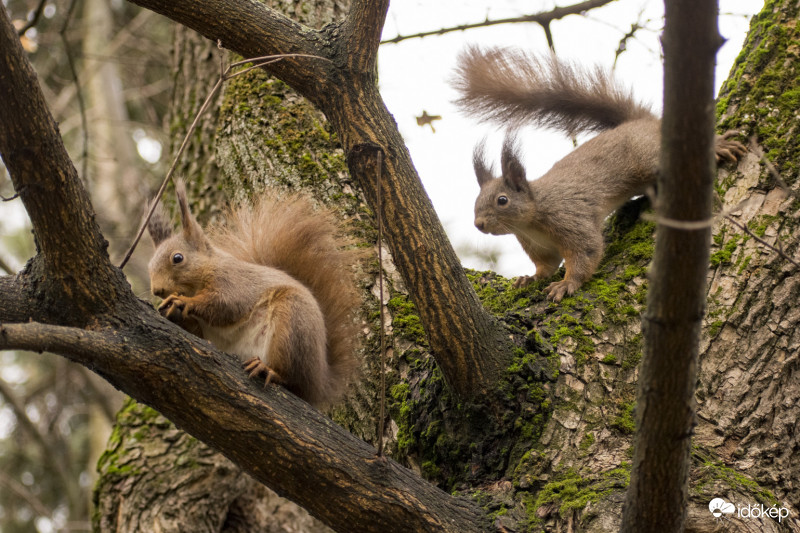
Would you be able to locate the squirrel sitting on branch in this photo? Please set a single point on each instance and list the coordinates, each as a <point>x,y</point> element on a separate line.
<point>560,215</point>
<point>274,284</point>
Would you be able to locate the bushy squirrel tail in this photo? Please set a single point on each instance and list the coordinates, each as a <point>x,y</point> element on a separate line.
<point>514,88</point>
<point>309,244</point>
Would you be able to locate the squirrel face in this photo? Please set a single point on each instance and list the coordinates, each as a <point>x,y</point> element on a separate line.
<point>178,265</point>
<point>503,202</point>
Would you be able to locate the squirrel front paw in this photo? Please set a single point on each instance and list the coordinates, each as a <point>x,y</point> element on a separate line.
<point>558,289</point>
<point>256,367</point>
<point>173,308</point>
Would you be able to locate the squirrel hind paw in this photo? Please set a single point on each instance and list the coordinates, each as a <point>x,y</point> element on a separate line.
<point>727,149</point>
<point>558,289</point>
<point>255,367</point>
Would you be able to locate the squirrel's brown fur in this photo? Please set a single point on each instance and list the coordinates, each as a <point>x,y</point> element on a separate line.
<point>274,284</point>
<point>514,88</point>
<point>560,215</point>
<point>309,245</point>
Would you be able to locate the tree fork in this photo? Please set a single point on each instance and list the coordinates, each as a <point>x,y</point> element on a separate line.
<point>199,388</point>
<point>471,347</point>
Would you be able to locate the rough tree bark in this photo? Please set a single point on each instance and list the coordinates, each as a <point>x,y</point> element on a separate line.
<point>657,496</point>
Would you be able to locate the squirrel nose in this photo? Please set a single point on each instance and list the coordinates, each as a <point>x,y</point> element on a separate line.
<point>480,224</point>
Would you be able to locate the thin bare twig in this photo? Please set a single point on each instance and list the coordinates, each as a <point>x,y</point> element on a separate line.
<point>46,443</point>
<point>78,92</point>
<point>379,209</point>
<point>224,76</point>
<point>31,499</point>
<point>5,267</point>
<point>34,20</point>
<point>542,19</point>
<point>749,232</point>
<point>773,171</point>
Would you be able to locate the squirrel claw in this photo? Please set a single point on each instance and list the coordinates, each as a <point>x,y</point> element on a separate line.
<point>256,367</point>
<point>558,289</point>
<point>173,308</point>
<point>523,281</point>
<point>725,148</point>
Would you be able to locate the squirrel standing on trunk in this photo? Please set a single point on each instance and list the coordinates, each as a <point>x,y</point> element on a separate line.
<point>274,284</point>
<point>560,215</point>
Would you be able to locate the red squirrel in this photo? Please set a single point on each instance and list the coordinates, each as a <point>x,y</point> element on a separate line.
<point>560,215</point>
<point>273,285</point>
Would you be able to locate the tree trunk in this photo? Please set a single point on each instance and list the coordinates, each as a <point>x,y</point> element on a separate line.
<point>748,388</point>
<point>665,410</point>
<point>155,477</point>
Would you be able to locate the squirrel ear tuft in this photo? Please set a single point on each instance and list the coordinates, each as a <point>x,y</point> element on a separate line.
<point>513,171</point>
<point>192,231</point>
<point>482,171</point>
<point>158,227</point>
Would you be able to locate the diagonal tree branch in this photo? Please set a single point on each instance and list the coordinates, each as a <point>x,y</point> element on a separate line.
<point>544,19</point>
<point>47,183</point>
<point>363,29</point>
<point>276,437</point>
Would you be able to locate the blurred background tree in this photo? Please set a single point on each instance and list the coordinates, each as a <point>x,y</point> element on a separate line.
<point>104,67</point>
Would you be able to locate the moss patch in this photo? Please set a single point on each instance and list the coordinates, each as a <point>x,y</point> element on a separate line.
<point>764,84</point>
<point>570,492</point>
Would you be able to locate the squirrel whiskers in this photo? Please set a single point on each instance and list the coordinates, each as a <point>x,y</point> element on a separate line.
<point>273,284</point>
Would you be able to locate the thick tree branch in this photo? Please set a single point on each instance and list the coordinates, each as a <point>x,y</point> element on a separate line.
<point>276,437</point>
<point>253,30</point>
<point>665,410</point>
<point>544,19</point>
<point>66,233</point>
<point>363,29</point>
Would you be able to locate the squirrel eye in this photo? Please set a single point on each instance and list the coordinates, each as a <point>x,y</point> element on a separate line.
<point>177,258</point>
<point>502,200</point>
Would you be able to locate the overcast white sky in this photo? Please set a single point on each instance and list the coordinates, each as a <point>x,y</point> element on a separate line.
<point>414,74</point>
